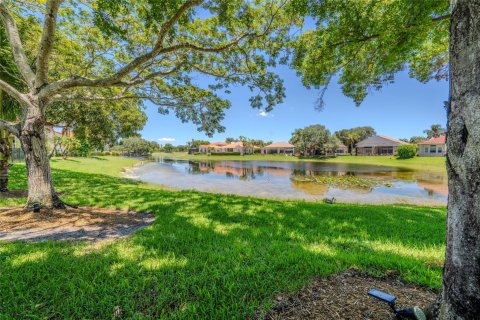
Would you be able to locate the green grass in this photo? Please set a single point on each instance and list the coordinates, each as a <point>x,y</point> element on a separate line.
<point>435,164</point>
<point>207,256</point>
<point>112,166</point>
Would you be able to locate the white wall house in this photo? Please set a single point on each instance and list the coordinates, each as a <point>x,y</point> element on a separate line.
<point>434,147</point>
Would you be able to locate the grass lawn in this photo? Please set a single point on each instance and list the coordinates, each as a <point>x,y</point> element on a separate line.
<point>418,163</point>
<point>207,256</point>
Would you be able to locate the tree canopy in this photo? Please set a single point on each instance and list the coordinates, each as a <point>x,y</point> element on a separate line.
<point>350,137</point>
<point>149,50</point>
<point>313,140</point>
<point>364,43</point>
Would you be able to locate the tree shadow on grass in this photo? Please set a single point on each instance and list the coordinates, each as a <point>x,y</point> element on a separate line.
<point>210,256</point>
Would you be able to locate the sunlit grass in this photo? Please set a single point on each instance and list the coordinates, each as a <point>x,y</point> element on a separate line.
<point>207,256</point>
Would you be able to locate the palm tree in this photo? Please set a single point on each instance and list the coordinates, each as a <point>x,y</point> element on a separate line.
<point>435,131</point>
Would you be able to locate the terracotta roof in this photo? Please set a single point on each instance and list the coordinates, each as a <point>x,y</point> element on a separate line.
<point>437,140</point>
<point>379,141</point>
<point>217,145</point>
<point>280,144</point>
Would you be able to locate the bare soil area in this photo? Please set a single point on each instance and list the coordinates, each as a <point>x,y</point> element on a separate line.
<point>82,223</point>
<point>344,296</point>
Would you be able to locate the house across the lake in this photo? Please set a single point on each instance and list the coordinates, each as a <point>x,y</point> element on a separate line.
<point>378,146</point>
<point>225,147</point>
<point>434,147</point>
<point>280,147</point>
<point>341,150</point>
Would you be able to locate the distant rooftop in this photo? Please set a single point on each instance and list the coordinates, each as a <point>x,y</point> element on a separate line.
<point>280,144</point>
<point>437,140</point>
<point>379,141</point>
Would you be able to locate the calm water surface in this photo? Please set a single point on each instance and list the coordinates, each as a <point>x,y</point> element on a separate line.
<point>281,180</point>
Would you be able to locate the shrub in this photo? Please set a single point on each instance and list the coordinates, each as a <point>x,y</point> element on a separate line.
<point>407,151</point>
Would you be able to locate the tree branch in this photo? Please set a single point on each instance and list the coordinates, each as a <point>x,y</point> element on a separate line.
<point>89,98</point>
<point>46,43</point>
<point>10,127</point>
<point>16,45</point>
<point>14,93</point>
<point>116,79</point>
<point>440,18</point>
<point>172,21</point>
<point>128,68</point>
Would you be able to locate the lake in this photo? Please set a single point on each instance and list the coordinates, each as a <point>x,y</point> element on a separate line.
<point>353,183</point>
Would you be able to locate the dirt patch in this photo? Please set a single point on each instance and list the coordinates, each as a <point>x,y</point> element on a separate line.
<point>344,296</point>
<point>83,223</point>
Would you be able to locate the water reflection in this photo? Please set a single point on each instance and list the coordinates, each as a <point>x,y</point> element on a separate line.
<point>346,182</point>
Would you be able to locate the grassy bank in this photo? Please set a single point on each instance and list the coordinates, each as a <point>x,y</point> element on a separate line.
<point>417,163</point>
<point>207,256</point>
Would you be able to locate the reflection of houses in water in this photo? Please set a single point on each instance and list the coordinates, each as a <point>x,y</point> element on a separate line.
<point>277,172</point>
<point>222,169</point>
<point>433,183</point>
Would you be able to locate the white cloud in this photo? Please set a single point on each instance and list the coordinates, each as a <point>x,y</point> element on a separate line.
<point>166,139</point>
<point>264,114</point>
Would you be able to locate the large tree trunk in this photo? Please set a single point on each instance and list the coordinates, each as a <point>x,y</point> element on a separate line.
<point>40,185</point>
<point>460,297</point>
<point>5,154</point>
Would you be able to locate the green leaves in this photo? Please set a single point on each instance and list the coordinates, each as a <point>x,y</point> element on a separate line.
<point>155,50</point>
<point>313,140</point>
<point>366,42</point>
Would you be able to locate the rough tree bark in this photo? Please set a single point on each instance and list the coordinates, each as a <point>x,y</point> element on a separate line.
<point>41,191</point>
<point>460,298</point>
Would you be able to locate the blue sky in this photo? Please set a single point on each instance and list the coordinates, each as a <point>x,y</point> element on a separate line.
<point>400,110</point>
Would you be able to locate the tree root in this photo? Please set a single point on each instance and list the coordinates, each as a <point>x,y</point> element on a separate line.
<point>432,310</point>
<point>57,203</point>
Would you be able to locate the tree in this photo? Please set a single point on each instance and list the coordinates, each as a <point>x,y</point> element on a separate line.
<point>416,139</point>
<point>197,143</point>
<point>136,147</point>
<point>367,42</point>
<point>350,137</point>
<point>69,146</point>
<point>100,124</point>
<point>311,140</point>
<point>331,146</point>
<point>168,147</point>
<point>435,131</point>
<point>155,59</point>
<point>181,148</point>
